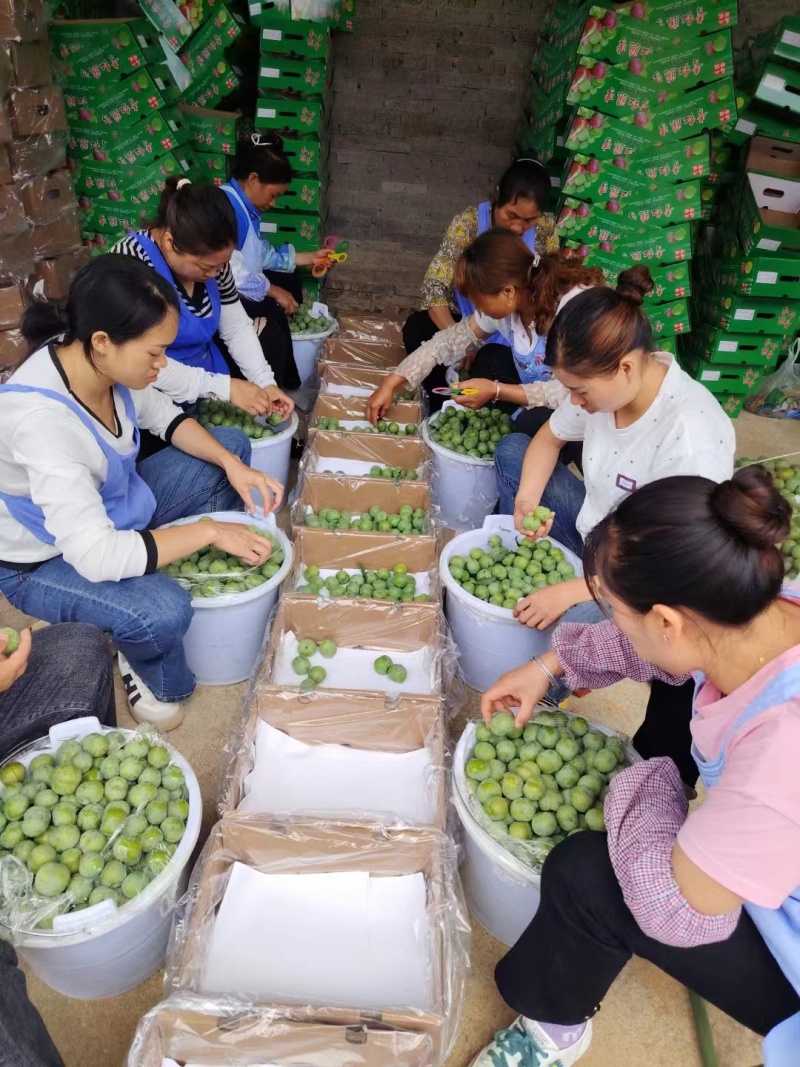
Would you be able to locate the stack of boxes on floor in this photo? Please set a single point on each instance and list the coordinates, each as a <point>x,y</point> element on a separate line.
<point>312,786</point>
<point>40,241</point>
<point>123,82</point>
<point>747,278</point>
<point>637,101</point>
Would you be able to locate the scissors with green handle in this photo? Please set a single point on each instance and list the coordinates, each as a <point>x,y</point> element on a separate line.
<point>447,390</point>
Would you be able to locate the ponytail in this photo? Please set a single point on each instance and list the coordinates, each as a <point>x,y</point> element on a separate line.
<point>41,323</point>
<point>200,218</point>
<point>262,154</point>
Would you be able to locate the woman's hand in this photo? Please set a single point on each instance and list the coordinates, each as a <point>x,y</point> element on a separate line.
<point>380,401</point>
<point>245,481</point>
<point>278,401</point>
<point>239,540</point>
<point>546,606</point>
<point>518,691</point>
<point>486,391</point>
<point>14,666</point>
<point>250,397</point>
<point>524,507</point>
<point>284,298</point>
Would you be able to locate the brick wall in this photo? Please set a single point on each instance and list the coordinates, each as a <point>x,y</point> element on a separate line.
<point>427,97</point>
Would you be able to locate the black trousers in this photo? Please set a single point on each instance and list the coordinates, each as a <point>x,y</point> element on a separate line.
<point>583,935</point>
<point>666,731</point>
<point>24,1040</point>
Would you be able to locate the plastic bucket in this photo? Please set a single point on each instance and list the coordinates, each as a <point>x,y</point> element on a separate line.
<point>104,951</point>
<point>308,347</point>
<point>502,892</point>
<point>273,455</point>
<point>225,637</point>
<point>489,639</point>
<point>464,488</point>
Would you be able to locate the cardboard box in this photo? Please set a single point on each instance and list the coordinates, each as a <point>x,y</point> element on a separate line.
<point>354,352</point>
<point>669,283</point>
<point>208,44</point>
<point>95,50</point>
<point>57,237</point>
<point>303,194</point>
<point>141,184</point>
<point>338,379</point>
<point>357,495</point>
<point>718,378</point>
<point>747,314</point>
<point>352,409</point>
<point>294,38</point>
<point>263,843</point>
<point>312,288</point>
<point>37,111</point>
<point>281,113</point>
<point>563,23</point>
<point>614,35</point>
<point>541,108</point>
<point>684,161</point>
<point>735,349</point>
<point>13,219</point>
<point>150,138</point>
<point>13,348</point>
<point>307,155</point>
<point>327,451</point>
<point>781,43</point>
<point>552,66</point>
<point>17,254</point>
<point>761,274</point>
<point>593,133</point>
<point>23,20</point>
<point>688,16</point>
<point>113,103</point>
<point>386,328</point>
<point>12,305</point>
<point>778,87</point>
<point>210,90</point>
<point>170,21</point>
<point>612,231</point>
<point>306,78</point>
<point>44,199</point>
<point>209,167</point>
<point>30,64</point>
<point>171,79</point>
<point>100,217</point>
<point>29,156</point>
<point>768,213</point>
<point>99,243</point>
<point>5,166</point>
<point>671,318</point>
<point>211,131</point>
<point>187,1032</point>
<point>302,231</point>
<point>53,277</point>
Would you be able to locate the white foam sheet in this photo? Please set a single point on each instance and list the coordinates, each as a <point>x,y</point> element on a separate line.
<point>352,668</point>
<point>332,465</point>
<point>291,776</point>
<point>347,390</point>
<point>342,939</point>
<point>423,578</point>
<point>173,1063</point>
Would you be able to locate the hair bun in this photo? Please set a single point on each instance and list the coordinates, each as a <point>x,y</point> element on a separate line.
<point>634,284</point>
<point>751,508</point>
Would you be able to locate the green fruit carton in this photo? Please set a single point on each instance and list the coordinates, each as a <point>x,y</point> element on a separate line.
<point>208,44</point>
<point>541,144</point>
<point>277,113</point>
<point>611,231</point>
<point>688,16</point>
<point>98,243</point>
<point>209,167</point>
<point>307,156</point>
<point>169,19</point>
<point>717,378</point>
<point>335,14</point>
<point>680,162</point>
<point>306,77</point>
<point>303,194</point>
<point>668,344</point>
<point>302,231</point>
<point>601,182</point>
<point>735,349</point>
<point>665,205</point>
<point>682,114</point>
<point>669,282</point>
<point>543,109</point>
<point>769,206</point>
<point>140,184</point>
<point>781,44</point>
<point>218,83</point>
<point>114,103</point>
<point>114,219</point>
<point>709,199</point>
<point>778,87</point>
<point>671,318</point>
<point>102,49</point>
<point>563,24</point>
<point>211,131</point>
<point>760,274</point>
<point>593,133</point>
<point>753,120</point>
<point>170,77</point>
<point>747,314</point>
<point>552,66</point>
<point>722,158</point>
<point>151,137</point>
<point>294,38</point>
<point>614,36</point>
<point>312,287</point>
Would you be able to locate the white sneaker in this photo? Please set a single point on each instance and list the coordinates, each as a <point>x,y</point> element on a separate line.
<point>144,706</point>
<point>525,1044</point>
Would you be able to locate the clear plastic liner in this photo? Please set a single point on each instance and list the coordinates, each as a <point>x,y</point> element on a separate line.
<point>46,197</point>
<point>41,154</point>
<point>357,496</point>
<point>5,165</point>
<point>361,759</point>
<point>340,379</point>
<point>351,352</point>
<point>332,866</point>
<point>375,329</point>
<point>13,349</point>
<point>234,1032</point>
<point>53,277</point>
<point>358,555</point>
<point>56,238</point>
<point>359,455</point>
<point>12,305</point>
<point>350,414</point>
<point>23,20</point>
<point>778,394</point>
<point>17,256</point>
<point>37,111</point>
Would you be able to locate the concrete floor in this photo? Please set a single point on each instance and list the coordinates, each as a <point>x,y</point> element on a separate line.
<point>645,1019</point>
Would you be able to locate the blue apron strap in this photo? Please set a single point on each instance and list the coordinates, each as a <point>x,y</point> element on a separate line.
<point>156,258</point>
<point>484,217</point>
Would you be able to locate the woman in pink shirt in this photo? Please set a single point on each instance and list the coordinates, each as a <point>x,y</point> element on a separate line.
<point>693,583</point>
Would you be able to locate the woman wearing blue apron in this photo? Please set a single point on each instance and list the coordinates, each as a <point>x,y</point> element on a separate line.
<point>518,206</point>
<point>269,285</point>
<point>692,579</point>
<point>80,518</point>
<point>190,245</point>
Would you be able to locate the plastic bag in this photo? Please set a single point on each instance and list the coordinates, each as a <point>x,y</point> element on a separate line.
<point>349,415</point>
<point>312,323</point>
<point>375,329</point>
<point>131,848</point>
<point>235,1032</point>
<point>778,395</point>
<point>366,455</point>
<point>246,843</point>
<point>357,496</point>
<point>357,353</point>
<point>324,723</point>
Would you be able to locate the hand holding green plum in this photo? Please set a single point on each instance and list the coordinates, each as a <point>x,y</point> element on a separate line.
<point>13,663</point>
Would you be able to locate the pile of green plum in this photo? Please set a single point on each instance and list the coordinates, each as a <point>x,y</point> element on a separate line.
<point>537,519</point>
<point>470,433</point>
<point>394,474</point>
<point>213,413</point>
<point>303,322</point>
<point>786,479</point>
<point>381,584</point>
<point>409,429</point>
<point>312,675</point>
<point>407,520</point>
<point>211,572</point>
<point>395,672</point>
<point>542,782</point>
<point>502,576</point>
<point>97,820</point>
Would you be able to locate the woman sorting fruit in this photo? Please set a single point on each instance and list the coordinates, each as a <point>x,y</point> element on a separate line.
<point>690,575</point>
<point>190,245</point>
<point>267,279</point>
<point>517,294</point>
<point>516,206</point>
<point>79,517</point>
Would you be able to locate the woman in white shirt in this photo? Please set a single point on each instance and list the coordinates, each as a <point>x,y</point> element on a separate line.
<point>518,294</point>
<point>639,417</point>
<point>79,517</point>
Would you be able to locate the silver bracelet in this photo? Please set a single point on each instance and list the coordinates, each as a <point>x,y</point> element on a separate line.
<point>545,670</point>
<point>497,392</point>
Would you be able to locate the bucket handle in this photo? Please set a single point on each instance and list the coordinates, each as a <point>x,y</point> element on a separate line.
<point>63,731</point>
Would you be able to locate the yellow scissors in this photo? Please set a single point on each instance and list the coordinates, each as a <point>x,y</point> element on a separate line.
<point>446,390</point>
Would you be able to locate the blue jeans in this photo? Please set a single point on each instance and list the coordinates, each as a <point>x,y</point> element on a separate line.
<point>148,616</point>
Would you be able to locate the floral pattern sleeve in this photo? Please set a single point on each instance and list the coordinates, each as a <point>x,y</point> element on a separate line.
<point>546,236</point>
<point>437,286</point>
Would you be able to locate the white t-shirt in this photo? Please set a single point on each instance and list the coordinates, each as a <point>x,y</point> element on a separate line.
<point>49,456</point>
<point>684,431</point>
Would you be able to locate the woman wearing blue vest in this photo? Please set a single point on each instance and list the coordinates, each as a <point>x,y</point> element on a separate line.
<point>80,518</point>
<point>190,245</point>
<point>691,576</point>
<point>517,204</point>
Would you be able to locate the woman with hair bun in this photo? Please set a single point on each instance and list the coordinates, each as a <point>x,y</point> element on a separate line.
<point>692,584</point>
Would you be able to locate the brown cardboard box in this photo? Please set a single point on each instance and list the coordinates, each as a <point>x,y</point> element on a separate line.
<point>13,348</point>
<point>5,166</point>
<point>188,1030</point>
<point>352,409</point>
<point>17,255</point>
<point>53,277</point>
<point>12,305</point>
<point>23,20</point>
<point>308,847</point>
<point>12,213</point>
<point>30,64</point>
<point>337,376</point>
<point>357,495</point>
<point>38,155</point>
<point>46,198</point>
<point>5,123</point>
<point>379,329</point>
<point>35,111</point>
<point>381,450</point>
<point>53,239</point>
<point>362,353</point>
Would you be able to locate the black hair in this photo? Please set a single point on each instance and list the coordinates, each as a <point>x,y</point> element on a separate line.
<point>113,294</point>
<point>525,179</point>
<point>200,218</point>
<point>262,155</point>
<point>690,543</point>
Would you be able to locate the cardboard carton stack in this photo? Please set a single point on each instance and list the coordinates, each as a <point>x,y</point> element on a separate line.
<point>40,241</point>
